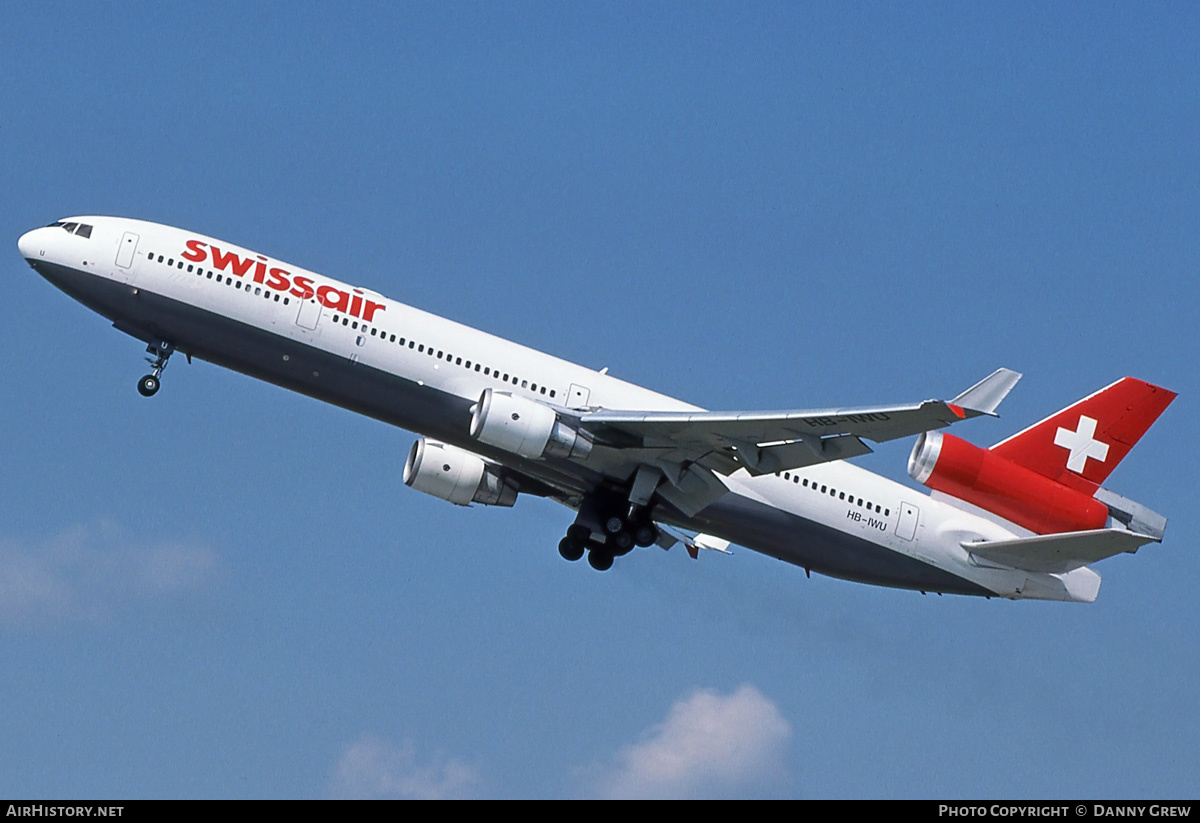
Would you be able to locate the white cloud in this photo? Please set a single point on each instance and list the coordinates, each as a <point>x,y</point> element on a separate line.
<point>83,573</point>
<point>372,768</point>
<point>710,745</point>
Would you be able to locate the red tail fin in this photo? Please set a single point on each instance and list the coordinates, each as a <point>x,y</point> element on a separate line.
<point>1081,445</point>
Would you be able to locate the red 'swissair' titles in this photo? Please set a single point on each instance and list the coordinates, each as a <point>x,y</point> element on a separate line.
<point>299,285</point>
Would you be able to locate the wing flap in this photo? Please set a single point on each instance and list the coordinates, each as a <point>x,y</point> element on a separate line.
<point>669,536</point>
<point>809,451</point>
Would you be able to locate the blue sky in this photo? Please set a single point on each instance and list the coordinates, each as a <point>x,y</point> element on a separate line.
<point>228,592</point>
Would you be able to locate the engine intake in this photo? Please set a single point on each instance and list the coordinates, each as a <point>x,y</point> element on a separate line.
<point>456,475</point>
<point>955,467</point>
<point>526,427</point>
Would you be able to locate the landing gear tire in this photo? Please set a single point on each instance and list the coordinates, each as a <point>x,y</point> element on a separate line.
<point>621,542</point>
<point>148,386</point>
<point>600,560</point>
<point>645,535</point>
<point>613,524</point>
<point>162,351</point>
<point>570,549</point>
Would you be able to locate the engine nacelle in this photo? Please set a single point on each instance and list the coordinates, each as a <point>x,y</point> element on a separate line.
<point>526,427</point>
<point>953,466</point>
<point>456,475</point>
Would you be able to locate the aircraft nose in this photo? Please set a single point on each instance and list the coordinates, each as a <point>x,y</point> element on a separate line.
<point>29,245</point>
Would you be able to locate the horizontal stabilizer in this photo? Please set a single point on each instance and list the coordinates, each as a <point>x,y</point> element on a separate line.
<point>1058,553</point>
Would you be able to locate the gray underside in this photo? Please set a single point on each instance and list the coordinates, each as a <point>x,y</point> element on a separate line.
<point>446,417</point>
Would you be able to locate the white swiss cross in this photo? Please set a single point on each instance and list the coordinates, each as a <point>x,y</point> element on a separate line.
<point>1081,443</point>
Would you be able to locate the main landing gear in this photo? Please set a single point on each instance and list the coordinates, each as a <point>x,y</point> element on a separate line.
<point>622,527</point>
<point>162,350</point>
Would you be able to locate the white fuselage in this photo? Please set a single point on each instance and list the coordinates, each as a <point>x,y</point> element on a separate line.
<point>314,334</point>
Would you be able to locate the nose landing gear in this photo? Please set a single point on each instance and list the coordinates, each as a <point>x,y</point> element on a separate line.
<point>148,386</point>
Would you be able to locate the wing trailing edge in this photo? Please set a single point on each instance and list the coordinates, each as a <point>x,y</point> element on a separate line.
<point>763,442</point>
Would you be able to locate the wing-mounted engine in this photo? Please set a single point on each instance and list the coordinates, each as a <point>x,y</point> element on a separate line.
<point>955,467</point>
<point>456,475</point>
<point>527,428</point>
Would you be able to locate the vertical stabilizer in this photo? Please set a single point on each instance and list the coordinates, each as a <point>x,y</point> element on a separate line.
<point>1082,444</point>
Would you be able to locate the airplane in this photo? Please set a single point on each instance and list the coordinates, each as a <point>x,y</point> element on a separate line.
<point>495,420</point>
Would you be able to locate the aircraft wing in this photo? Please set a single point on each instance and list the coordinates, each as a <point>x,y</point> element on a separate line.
<point>769,441</point>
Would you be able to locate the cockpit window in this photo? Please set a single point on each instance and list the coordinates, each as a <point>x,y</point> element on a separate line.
<point>81,229</point>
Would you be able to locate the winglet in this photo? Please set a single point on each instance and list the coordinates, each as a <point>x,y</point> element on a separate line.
<point>985,396</point>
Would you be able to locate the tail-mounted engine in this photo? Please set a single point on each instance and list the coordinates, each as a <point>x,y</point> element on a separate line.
<point>456,475</point>
<point>526,427</point>
<point>955,467</point>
